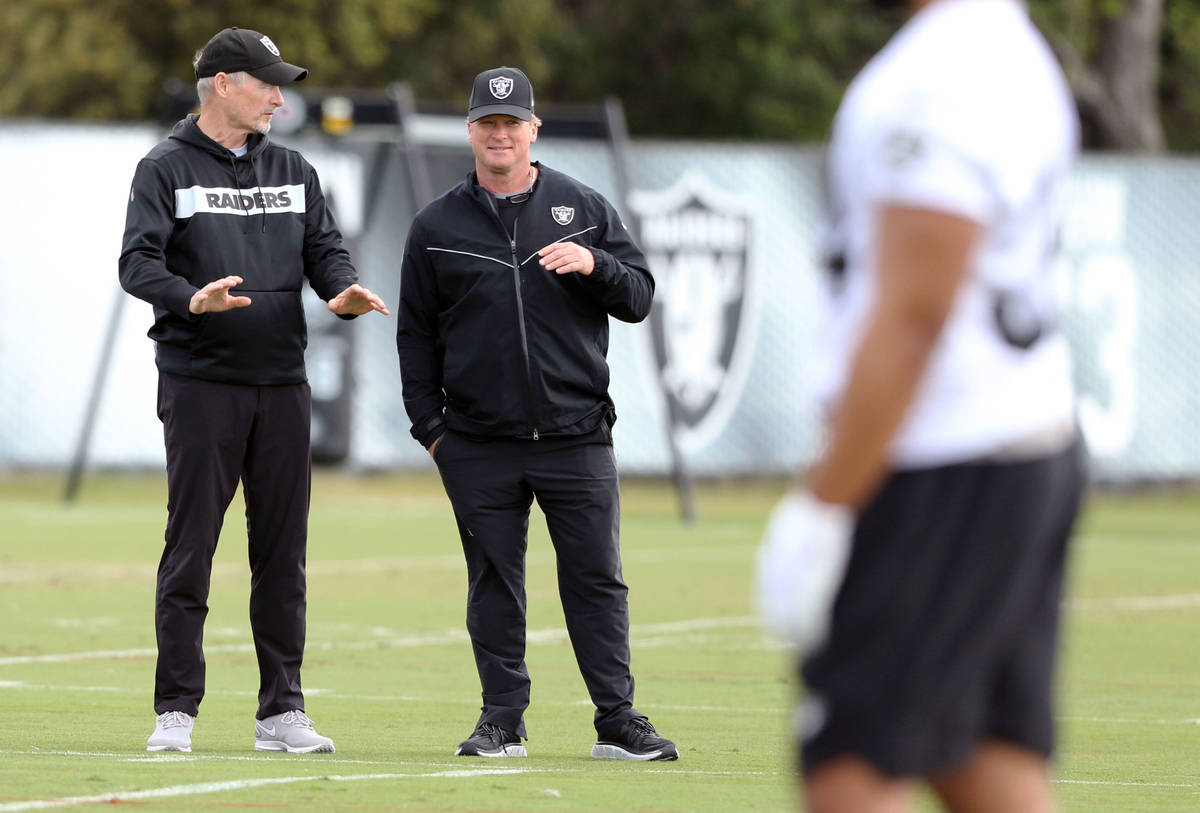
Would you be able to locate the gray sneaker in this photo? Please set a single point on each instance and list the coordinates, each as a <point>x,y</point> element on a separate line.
<point>172,732</point>
<point>291,731</point>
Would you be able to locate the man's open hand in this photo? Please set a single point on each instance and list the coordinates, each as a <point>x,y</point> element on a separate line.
<point>215,297</point>
<point>357,300</point>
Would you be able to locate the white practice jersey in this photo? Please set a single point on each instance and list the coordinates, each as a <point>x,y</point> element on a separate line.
<point>966,112</point>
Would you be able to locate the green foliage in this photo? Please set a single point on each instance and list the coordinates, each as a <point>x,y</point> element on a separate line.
<point>744,69</point>
<point>462,38</point>
<point>1078,24</point>
<point>66,61</point>
<point>1181,91</point>
<point>108,59</point>
<point>758,68</point>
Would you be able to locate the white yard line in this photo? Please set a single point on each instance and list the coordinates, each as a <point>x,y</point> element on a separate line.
<point>399,698</point>
<point>1076,719</point>
<point>451,636</point>
<point>21,684</point>
<point>104,654</point>
<point>145,571</point>
<point>167,756</point>
<point>246,784</point>
<point>1124,784</point>
<point>1184,601</point>
<point>641,632</point>
<point>717,773</point>
<point>202,788</point>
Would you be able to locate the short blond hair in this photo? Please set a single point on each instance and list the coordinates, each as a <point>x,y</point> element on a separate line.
<point>533,119</point>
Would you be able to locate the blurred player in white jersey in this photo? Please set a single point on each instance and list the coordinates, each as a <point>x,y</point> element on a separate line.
<point>919,563</point>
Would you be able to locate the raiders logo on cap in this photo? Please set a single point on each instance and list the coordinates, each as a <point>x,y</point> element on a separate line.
<point>501,86</point>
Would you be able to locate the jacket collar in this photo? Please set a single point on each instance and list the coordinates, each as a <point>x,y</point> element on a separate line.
<point>470,185</point>
<point>187,131</point>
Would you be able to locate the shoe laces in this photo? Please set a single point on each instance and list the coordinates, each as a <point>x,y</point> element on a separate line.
<point>640,726</point>
<point>296,718</point>
<point>494,733</point>
<point>173,719</point>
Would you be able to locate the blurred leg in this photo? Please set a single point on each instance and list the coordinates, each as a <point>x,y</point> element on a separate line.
<point>998,778</point>
<point>851,785</point>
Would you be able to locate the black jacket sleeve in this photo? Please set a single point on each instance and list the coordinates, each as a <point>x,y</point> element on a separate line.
<point>417,340</point>
<point>149,221</point>
<point>326,261</point>
<point>621,280</point>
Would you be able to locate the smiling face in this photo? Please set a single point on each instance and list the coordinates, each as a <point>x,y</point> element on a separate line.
<point>501,145</point>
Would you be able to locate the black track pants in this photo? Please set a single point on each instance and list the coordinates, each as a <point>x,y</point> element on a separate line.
<point>215,435</point>
<point>491,486</point>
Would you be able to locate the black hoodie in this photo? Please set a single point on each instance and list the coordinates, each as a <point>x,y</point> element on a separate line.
<point>196,214</point>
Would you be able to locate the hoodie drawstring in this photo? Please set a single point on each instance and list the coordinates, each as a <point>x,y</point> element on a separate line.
<point>237,182</point>
<point>254,172</point>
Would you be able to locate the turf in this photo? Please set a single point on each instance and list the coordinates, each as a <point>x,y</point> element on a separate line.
<point>389,673</point>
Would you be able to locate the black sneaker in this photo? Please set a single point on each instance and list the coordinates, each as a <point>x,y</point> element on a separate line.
<point>490,740</point>
<point>637,740</point>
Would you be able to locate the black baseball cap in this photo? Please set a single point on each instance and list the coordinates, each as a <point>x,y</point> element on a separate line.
<point>240,49</point>
<point>504,91</point>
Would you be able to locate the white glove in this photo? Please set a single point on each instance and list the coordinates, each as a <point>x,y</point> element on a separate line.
<point>801,561</point>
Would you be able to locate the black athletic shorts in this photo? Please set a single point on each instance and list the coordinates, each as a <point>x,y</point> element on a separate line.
<point>945,628</point>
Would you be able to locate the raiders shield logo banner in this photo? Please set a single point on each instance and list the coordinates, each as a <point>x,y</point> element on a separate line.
<point>562,214</point>
<point>697,240</point>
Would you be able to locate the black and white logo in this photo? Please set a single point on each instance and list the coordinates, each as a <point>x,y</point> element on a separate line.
<point>501,86</point>
<point>902,148</point>
<point>562,214</point>
<point>697,239</point>
<point>270,46</point>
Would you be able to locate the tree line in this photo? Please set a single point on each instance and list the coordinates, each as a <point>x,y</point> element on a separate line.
<point>737,69</point>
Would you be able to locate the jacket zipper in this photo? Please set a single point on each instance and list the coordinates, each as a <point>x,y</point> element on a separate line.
<point>516,264</point>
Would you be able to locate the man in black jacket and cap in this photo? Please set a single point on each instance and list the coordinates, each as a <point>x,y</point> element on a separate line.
<point>507,285</point>
<point>223,228</point>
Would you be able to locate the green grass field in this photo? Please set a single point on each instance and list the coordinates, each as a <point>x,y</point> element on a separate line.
<point>389,673</point>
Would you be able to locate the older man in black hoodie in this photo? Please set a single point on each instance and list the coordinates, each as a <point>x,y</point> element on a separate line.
<point>223,227</point>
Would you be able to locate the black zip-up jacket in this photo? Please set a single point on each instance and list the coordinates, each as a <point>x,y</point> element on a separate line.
<point>198,213</point>
<point>493,345</point>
